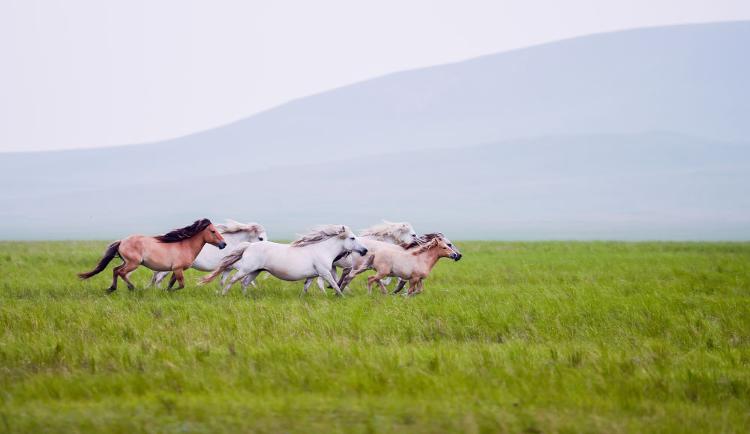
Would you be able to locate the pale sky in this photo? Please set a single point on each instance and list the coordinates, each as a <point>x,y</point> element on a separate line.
<point>78,73</point>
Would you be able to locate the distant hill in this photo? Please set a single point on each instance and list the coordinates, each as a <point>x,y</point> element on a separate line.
<point>586,187</point>
<point>691,81</point>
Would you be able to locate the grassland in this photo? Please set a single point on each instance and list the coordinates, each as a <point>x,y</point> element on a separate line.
<point>516,337</point>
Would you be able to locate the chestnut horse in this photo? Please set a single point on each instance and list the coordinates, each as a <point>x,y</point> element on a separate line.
<point>174,251</point>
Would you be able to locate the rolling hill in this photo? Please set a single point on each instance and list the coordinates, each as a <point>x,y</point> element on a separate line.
<point>586,187</point>
<point>352,154</point>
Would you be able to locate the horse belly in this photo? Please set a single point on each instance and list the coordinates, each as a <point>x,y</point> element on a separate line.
<point>289,277</point>
<point>401,271</point>
<point>156,265</point>
<point>290,270</point>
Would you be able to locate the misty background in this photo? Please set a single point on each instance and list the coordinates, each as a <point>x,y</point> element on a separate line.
<point>635,134</point>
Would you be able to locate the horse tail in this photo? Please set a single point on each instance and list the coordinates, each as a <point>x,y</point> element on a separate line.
<point>227,262</point>
<point>109,254</point>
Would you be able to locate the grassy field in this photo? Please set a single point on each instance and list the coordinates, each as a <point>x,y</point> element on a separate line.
<point>516,337</point>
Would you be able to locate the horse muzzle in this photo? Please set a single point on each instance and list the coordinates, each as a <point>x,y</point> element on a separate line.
<point>456,256</point>
<point>221,245</point>
<point>362,252</point>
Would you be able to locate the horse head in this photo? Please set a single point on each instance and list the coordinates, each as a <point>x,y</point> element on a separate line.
<point>212,236</point>
<point>351,241</point>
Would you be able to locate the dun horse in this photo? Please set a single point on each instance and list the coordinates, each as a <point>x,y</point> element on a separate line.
<point>209,258</point>
<point>384,234</point>
<point>174,251</point>
<point>412,265</point>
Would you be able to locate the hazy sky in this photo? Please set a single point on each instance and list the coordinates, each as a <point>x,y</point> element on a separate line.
<point>97,73</point>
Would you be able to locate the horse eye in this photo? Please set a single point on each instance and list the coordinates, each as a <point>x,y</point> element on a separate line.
<point>450,245</point>
<point>260,238</point>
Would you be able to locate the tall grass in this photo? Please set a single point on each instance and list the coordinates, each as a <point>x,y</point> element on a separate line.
<point>534,337</point>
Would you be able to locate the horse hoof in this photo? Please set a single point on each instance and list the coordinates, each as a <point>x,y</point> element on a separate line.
<point>110,290</point>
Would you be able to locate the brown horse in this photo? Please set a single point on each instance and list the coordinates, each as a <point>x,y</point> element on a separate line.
<point>413,265</point>
<point>174,251</point>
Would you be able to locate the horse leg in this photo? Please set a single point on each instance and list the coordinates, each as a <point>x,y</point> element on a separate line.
<point>247,280</point>
<point>319,281</point>
<point>387,281</point>
<point>351,275</point>
<point>224,277</point>
<point>125,271</point>
<point>400,286</point>
<point>413,284</point>
<point>237,277</point>
<point>421,286</point>
<point>326,274</point>
<point>157,278</point>
<point>308,282</point>
<point>370,281</point>
<point>180,277</point>
<point>333,273</point>
<point>162,275</point>
<point>382,287</point>
<point>172,280</point>
<point>344,272</point>
<point>115,272</point>
<point>416,288</point>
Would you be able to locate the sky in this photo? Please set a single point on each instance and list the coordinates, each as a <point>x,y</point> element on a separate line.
<point>78,74</point>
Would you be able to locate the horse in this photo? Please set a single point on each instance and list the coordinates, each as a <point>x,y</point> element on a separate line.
<point>209,258</point>
<point>174,251</point>
<point>372,238</point>
<point>361,264</point>
<point>421,241</point>
<point>413,265</point>
<point>306,258</point>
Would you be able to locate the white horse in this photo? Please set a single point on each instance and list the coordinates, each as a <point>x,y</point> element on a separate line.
<point>209,257</point>
<point>372,238</point>
<point>308,257</point>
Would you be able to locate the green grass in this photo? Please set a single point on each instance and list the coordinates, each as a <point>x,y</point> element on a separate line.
<point>516,337</point>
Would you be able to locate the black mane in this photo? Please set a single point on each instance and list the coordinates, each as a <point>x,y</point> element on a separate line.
<point>184,233</point>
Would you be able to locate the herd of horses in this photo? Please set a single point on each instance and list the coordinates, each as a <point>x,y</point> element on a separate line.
<point>390,249</point>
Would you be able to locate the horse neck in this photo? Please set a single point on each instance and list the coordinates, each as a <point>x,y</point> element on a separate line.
<point>194,244</point>
<point>331,247</point>
<point>429,258</point>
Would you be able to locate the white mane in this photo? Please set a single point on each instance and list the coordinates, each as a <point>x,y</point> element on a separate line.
<point>320,233</point>
<point>232,226</point>
<point>387,229</point>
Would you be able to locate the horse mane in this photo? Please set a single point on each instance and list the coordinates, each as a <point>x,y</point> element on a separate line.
<point>232,226</point>
<point>386,229</point>
<point>184,233</point>
<point>422,239</point>
<point>318,234</point>
<point>427,246</point>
